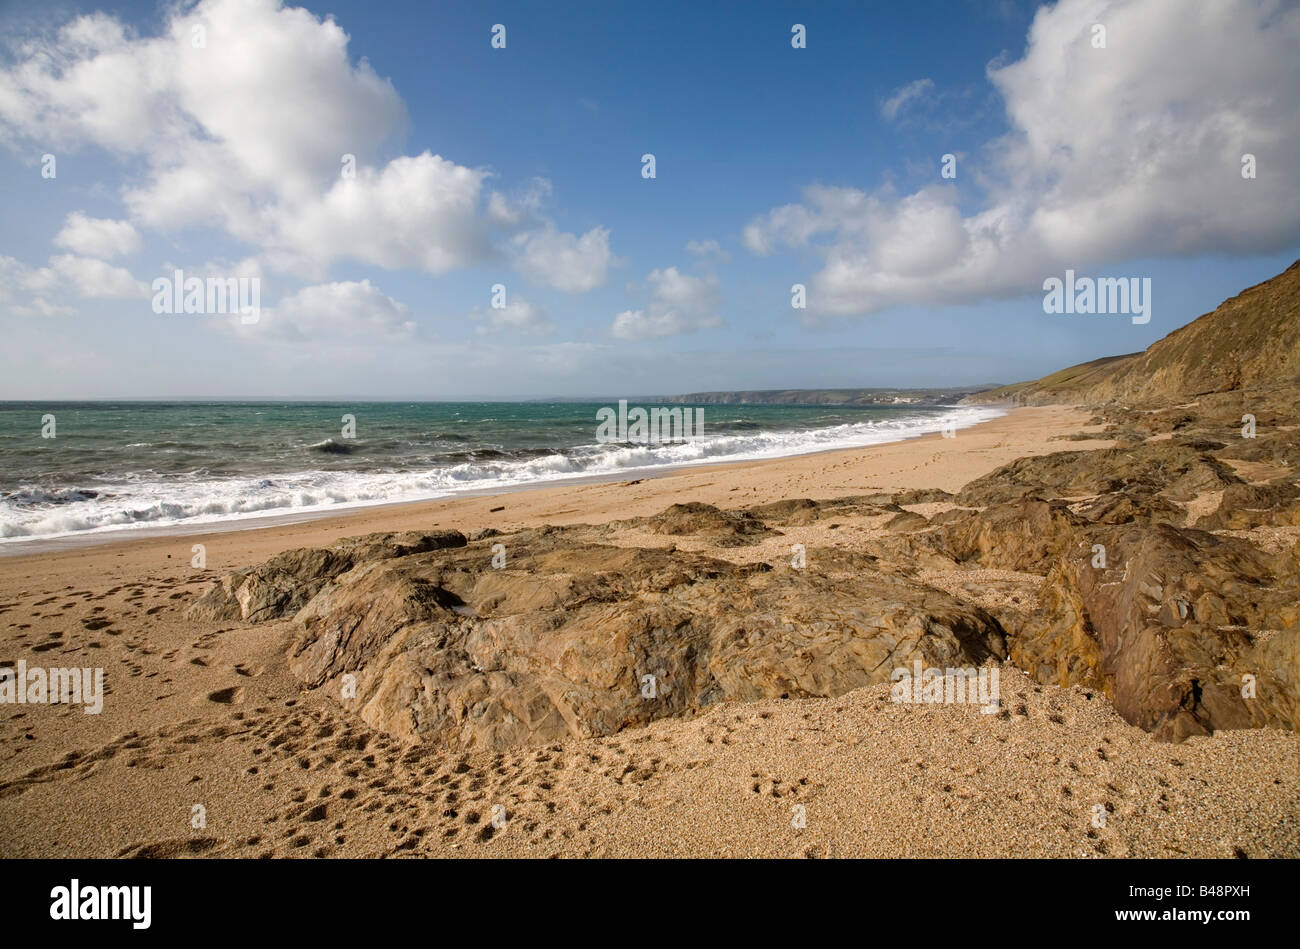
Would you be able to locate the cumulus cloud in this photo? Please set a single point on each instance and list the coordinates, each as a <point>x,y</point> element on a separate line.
<point>904,95</point>
<point>47,291</point>
<point>1134,150</point>
<point>12,274</point>
<point>563,261</point>
<point>84,277</point>
<point>255,119</point>
<point>681,303</point>
<point>98,237</point>
<point>417,212</point>
<point>346,309</point>
<point>517,316</point>
<point>269,131</point>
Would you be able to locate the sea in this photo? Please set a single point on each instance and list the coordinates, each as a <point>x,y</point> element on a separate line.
<point>71,469</point>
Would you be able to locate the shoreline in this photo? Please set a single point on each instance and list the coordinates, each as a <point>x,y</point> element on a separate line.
<point>322,527</point>
<point>22,546</point>
<point>208,710</point>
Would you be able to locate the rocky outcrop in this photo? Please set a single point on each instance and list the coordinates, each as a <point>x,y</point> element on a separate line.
<point>1023,535</point>
<point>573,638</point>
<point>285,583</point>
<point>1168,622</point>
<point>720,528</point>
<point>279,587</point>
<point>1166,469</point>
<point>580,638</point>
<point>1244,506</point>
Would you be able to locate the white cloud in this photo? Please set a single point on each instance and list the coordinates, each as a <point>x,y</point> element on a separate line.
<point>517,316</point>
<point>333,310</point>
<point>904,95</point>
<point>681,303</point>
<point>521,207</point>
<point>85,277</point>
<point>13,273</point>
<point>1129,151</point>
<point>98,237</point>
<point>419,212</point>
<point>248,134</point>
<point>707,249</point>
<point>271,96</point>
<point>563,261</point>
<point>791,224</point>
<point>64,277</point>
<point>40,307</point>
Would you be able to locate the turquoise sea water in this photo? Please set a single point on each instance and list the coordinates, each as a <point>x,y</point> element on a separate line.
<point>117,466</point>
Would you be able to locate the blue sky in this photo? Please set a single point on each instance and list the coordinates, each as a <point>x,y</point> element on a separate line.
<point>774,166</point>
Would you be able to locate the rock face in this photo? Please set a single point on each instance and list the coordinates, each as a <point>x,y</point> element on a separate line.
<point>574,638</point>
<point>721,528</point>
<point>1170,581</point>
<point>1165,629</point>
<point>283,585</point>
<point>279,587</point>
<point>1166,469</point>
<point>1021,535</point>
<point>1244,506</point>
<point>1192,625</point>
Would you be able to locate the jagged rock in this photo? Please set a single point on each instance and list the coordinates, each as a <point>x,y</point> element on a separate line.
<point>1164,629</point>
<point>923,496</point>
<point>799,512</point>
<point>1165,468</point>
<point>1025,535</point>
<point>285,583</point>
<point>277,588</point>
<point>907,521</point>
<point>398,544</point>
<point>560,643</point>
<point>1252,505</point>
<point>1124,507</point>
<point>723,528</point>
<point>792,512</point>
<point>954,515</point>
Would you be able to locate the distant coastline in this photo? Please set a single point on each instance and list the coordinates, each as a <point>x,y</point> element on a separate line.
<point>832,397</point>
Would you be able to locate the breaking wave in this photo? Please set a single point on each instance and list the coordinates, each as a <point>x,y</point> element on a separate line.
<point>144,500</point>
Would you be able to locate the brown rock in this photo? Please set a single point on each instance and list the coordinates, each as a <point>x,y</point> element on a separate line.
<point>277,588</point>
<point>723,528</point>
<point>1164,630</point>
<point>906,521</point>
<point>1252,505</point>
<point>285,583</point>
<point>562,641</point>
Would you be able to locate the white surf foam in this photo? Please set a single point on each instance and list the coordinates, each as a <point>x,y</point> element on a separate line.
<point>24,516</point>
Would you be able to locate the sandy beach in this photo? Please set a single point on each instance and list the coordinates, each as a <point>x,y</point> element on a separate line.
<point>207,744</point>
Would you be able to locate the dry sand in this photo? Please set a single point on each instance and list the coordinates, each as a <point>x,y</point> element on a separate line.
<point>208,715</point>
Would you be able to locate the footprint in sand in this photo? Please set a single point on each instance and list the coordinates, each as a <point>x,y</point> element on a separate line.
<point>233,695</point>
